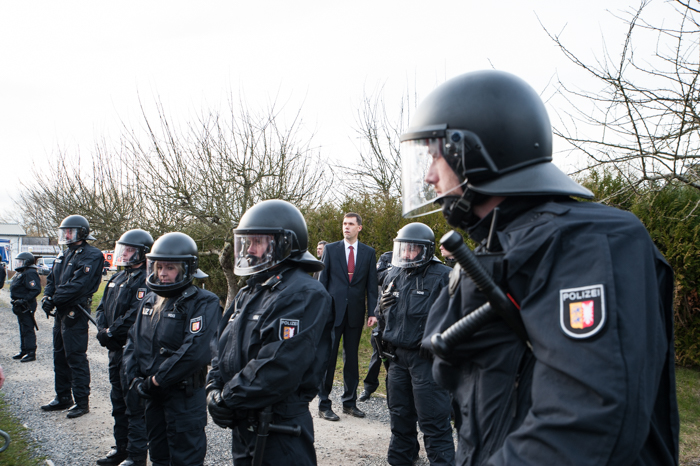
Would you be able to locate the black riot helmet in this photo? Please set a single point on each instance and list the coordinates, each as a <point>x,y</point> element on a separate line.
<point>492,131</point>
<point>414,246</point>
<point>172,264</point>
<point>74,228</point>
<point>132,247</point>
<point>270,232</point>
<point>23,260</point>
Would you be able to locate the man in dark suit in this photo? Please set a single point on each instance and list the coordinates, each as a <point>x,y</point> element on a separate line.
<point>319,253</point>
<point>350,276</point>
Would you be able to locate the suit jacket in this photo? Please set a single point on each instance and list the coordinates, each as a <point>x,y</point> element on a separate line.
<point>353,297</point>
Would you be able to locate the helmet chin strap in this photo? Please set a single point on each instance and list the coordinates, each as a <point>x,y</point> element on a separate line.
<point>459,211</point>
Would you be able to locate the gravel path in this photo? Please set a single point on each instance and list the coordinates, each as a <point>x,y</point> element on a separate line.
<point>79,442</point>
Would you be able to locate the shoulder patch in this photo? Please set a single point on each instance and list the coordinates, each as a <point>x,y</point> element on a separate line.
<point>87,269</point>
<point>582,311</point>
<point>288,328</point>
<point>196,325</point>
<point>32,283</point>
<point>140,293</point>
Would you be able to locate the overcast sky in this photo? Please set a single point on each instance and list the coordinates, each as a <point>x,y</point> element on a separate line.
<point>71,72</point>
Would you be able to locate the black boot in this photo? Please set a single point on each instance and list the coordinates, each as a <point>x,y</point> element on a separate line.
<point>19,355</point>
<point>58,404</point>
<point>78,409</point>
<point>30,356</point>
<point>134,461</point>
<point>115,456</point>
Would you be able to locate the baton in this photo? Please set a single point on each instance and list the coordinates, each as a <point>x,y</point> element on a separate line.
<point>264,428</point>
<point>498,305</point>
<point>87,314</point>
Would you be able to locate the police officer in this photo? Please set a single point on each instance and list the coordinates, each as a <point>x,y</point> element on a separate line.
<point>411,287</point>
<point>3,274</point>
<point>24,289</point>
<point>594,365</point>
<point>115,315</point>
<point>167,352</point>
<point>75,276</point>
<point>371,382</point>
<point>274,340</point>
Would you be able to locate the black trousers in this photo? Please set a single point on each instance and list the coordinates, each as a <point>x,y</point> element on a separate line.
<point>70,363</point>
<point>127,410</point>
<point>371,381</point>
<point>27,336</point>
<point>351,372</point>
<point>414,396</point>
<point>175,424</point>
<point>279,448</point>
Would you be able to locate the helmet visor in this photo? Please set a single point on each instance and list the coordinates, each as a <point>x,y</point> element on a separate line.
<point>18,264</point>
<point>67,235</point>
<point>254,253</point>
<point>426,176</point>
<point>408,255</point>
<point>168,273</point>
<point>125,255</point>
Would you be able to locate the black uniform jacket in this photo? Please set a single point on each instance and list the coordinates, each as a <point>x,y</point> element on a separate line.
<point>598,388</point>
<point>172,344</point>
<point>120,302</point>
<point>26,285</point>
<point>273,342</point>
<point>75,276</point>
<point>418,288</point>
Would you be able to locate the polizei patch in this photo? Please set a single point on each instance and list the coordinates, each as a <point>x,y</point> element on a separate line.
<point>196,324</point>
<point>140,293</point>
<point>582,312</point>
<point>288,328</point>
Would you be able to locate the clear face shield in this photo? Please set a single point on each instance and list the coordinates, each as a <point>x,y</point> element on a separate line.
<point>67,235</point>
<point>126,255</point>
<point>17,264</point>
<point>428,172</point>
<point>254,253</point>
<point>167,272</point>
<point>408,255</point>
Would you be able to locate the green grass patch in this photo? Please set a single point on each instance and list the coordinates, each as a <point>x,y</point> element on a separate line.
<point>22,450</point>
<point>688,390</point>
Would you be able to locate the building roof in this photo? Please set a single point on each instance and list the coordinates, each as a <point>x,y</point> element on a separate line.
<point>11,229</point>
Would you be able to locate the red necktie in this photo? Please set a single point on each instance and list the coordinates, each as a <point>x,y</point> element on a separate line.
<point>351,264</point>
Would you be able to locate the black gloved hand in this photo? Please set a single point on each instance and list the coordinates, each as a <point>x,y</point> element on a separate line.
<point>144,387</point>
<point>388,299</point>
<point>221,414</point>
<point>102,337</point>
<point>48,306</point>
<point>425,353</point>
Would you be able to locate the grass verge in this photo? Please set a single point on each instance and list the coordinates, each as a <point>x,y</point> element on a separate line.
<point>22,450</point>
<point>688,391</point>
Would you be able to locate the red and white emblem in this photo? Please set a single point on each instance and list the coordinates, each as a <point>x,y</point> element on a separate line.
<point>288,328</point>
<point>582,311</point>
<point>196,325</point>
<point>87,269</point>
<point>140,293</point>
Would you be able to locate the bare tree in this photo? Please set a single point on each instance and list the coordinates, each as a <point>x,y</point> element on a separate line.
<point>205,176</point>
<point>643,121</point>
<point>98,188</point>
<point>378,171</point>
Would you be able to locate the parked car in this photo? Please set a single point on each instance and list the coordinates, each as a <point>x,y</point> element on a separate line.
<point>44,265</point>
